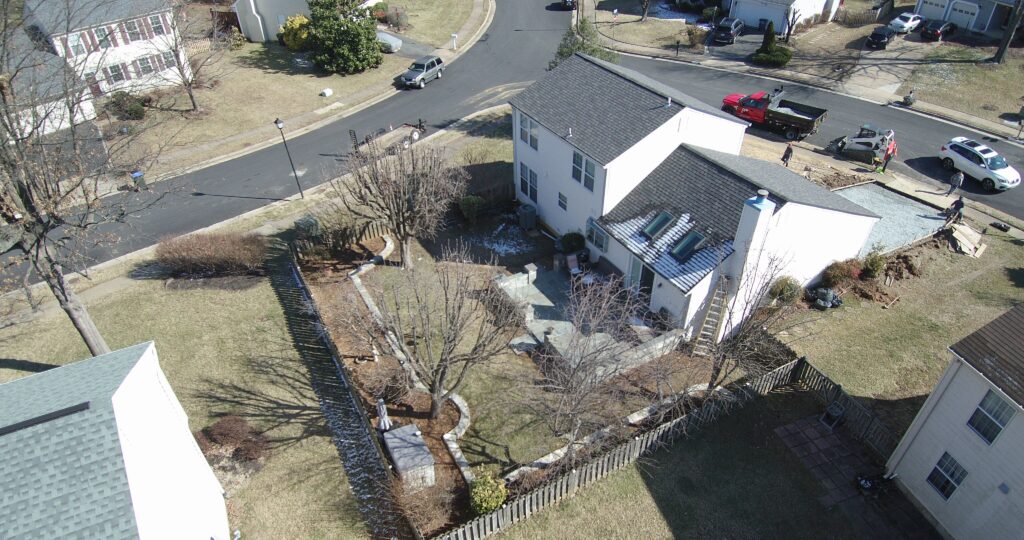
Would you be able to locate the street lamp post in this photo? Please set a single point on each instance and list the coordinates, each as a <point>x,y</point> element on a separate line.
<point>280,127</point>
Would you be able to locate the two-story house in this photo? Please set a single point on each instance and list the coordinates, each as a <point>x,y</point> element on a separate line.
<point>653,179</point>
<point>101,448</point>
<point>129,45</point>
<point>962,459</point>
<point>991,17</point>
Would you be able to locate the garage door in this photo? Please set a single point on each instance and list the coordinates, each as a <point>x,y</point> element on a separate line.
<point>933,9</point>
<point>752,11</point>
<point>962,14</point>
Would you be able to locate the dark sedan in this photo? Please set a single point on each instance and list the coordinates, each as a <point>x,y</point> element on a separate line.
<point>938,30</point>
<point>881,37</point>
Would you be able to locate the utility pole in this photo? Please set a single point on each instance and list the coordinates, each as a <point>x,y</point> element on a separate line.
<point>1011,28</point>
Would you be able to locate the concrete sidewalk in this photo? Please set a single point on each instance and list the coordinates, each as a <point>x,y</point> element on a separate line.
<point>859,88</point>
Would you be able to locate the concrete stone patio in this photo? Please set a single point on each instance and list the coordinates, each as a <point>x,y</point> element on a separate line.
<point>835,460</point>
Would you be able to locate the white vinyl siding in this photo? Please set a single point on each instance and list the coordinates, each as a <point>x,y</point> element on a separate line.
<point>990,417</point>
<point>947,476</point>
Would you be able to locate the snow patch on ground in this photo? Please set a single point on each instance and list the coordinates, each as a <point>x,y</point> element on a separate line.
<point>664,10</point>
<point>507,239</point>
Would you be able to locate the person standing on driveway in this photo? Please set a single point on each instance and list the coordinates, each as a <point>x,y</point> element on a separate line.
<point>787,154</point>
<point>955,182</point>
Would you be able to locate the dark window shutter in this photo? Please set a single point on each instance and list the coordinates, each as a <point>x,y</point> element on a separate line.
<point>106,76</point>
<point>124,33</point>
<point>147,30</point>
<point>67,48</point>
<point>126,71</point>
<point>94,45</point>
<point>167,23</point>
<point>157,62</point>
<point>112,32</point>
<point>135,66</point>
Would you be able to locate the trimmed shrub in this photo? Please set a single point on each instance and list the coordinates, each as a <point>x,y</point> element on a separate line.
<point>572,242</point>
<point>471,206</point>
<point>236,39</point>
<point>786,290</point>
<point>295,32</point>
<point>212,254</point>
<point>229,431</point>
<point>777,58</point>
<point>840,273</point>
<point>874,263</point>
<point>398,18</point>
<point>380,11</point>
<point>708,14</point>
<point>768,41</point>
<point>126,106</point>
<point>486,494</point>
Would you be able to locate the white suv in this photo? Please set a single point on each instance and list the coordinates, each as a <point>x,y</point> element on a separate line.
<point>906,22</point>
<point>979,162</point>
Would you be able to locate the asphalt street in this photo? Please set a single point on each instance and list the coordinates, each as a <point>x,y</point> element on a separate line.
<point>513,52</point>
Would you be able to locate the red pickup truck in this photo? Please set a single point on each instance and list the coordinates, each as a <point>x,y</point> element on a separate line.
<point>769,110</point>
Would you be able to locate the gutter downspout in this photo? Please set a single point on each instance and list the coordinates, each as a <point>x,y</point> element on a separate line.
<point>924,414</point>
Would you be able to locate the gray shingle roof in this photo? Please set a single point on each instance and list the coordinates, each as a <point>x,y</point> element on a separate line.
<point>35,75</point>
<point>705,190</point>
<point>60,16</point>
<point>609,108</point>
<point>996,350</point>
<point>66,477</point>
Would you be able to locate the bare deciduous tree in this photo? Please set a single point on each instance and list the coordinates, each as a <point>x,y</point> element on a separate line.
<point>792,17</point>
<point>445,321</point>
<point>54,166</point>
<point>189,52</point>
<point>578,364</point>
<point>645,6</point>
<point>408,191</point>
<point>749,343</point>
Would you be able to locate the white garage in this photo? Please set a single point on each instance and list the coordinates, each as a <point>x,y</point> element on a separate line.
<point>962,14</point>
<point>932,9</point>
<point>752,12</point>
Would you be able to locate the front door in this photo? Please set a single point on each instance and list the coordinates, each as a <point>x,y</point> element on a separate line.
<point>646,282</point>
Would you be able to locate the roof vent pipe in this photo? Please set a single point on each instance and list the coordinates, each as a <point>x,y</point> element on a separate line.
<point>762,194</point>
<point>669,102</point>
<point>570,133</point>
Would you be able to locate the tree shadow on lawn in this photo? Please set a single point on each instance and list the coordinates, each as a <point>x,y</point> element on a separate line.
<point>277,394</point>
<point>490,126</point>
<point>273,58</point>
<point>1016,276</point>
<point>28,366</point>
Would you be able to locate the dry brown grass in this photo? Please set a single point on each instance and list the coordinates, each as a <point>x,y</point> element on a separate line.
<point>212,254</point>
<point>627,28</point>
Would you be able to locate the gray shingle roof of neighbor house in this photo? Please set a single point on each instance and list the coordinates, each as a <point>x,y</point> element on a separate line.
<point>705,191</point>
<point>608,108</point>
<point>996,350</point>
<point>62,470</point>
<point>62,16</point>
<point>36,76</point>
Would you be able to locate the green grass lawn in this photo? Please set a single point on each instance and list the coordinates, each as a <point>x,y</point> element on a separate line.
<point>215,345</point>
<point>891,358</point>
<point>733,479</point>
<point>957,77</point>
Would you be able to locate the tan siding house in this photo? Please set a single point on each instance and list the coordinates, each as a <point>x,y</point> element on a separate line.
<point>962,460</point>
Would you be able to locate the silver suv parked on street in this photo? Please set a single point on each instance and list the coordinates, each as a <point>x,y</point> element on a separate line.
<point>423,71</point>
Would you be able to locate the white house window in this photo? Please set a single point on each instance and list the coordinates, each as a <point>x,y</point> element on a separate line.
<point>947,475</point>
<point>596,236</point>
<point>990,417</point>
<point>168,57</point>
<point>76,45</point>
<point>102,37</point>
<point>132,28</point>
<point>116,74</point>
<point>583,170</point>
<point>527,130</point>
<point>563,201</point>
<point>157,25</point>
<point>528,182</point>
<point>145,65</point>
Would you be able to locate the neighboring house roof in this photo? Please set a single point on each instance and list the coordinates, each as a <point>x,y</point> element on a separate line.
<point>705,191</point>
<point>36,75</point>
<point>996,350</point>
<point>59,17</point>
<point>65,476</point>
<point>608,108</point>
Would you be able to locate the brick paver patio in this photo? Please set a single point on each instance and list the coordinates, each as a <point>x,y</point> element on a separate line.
<point>835,460</point>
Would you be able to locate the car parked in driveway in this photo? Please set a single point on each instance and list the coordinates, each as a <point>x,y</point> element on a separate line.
<point>423,71</point>
<point>938,30</point>
<point>727,30</point>
<point>906,23</point>
<point>979,162</point>
<point>881,37</point>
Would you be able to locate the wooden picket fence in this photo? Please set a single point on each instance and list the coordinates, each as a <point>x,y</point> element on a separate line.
<point>857,419</point>
<point>566,485</point>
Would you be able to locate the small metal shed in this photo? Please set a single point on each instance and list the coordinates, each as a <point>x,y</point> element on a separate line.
<point>411,456</point>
